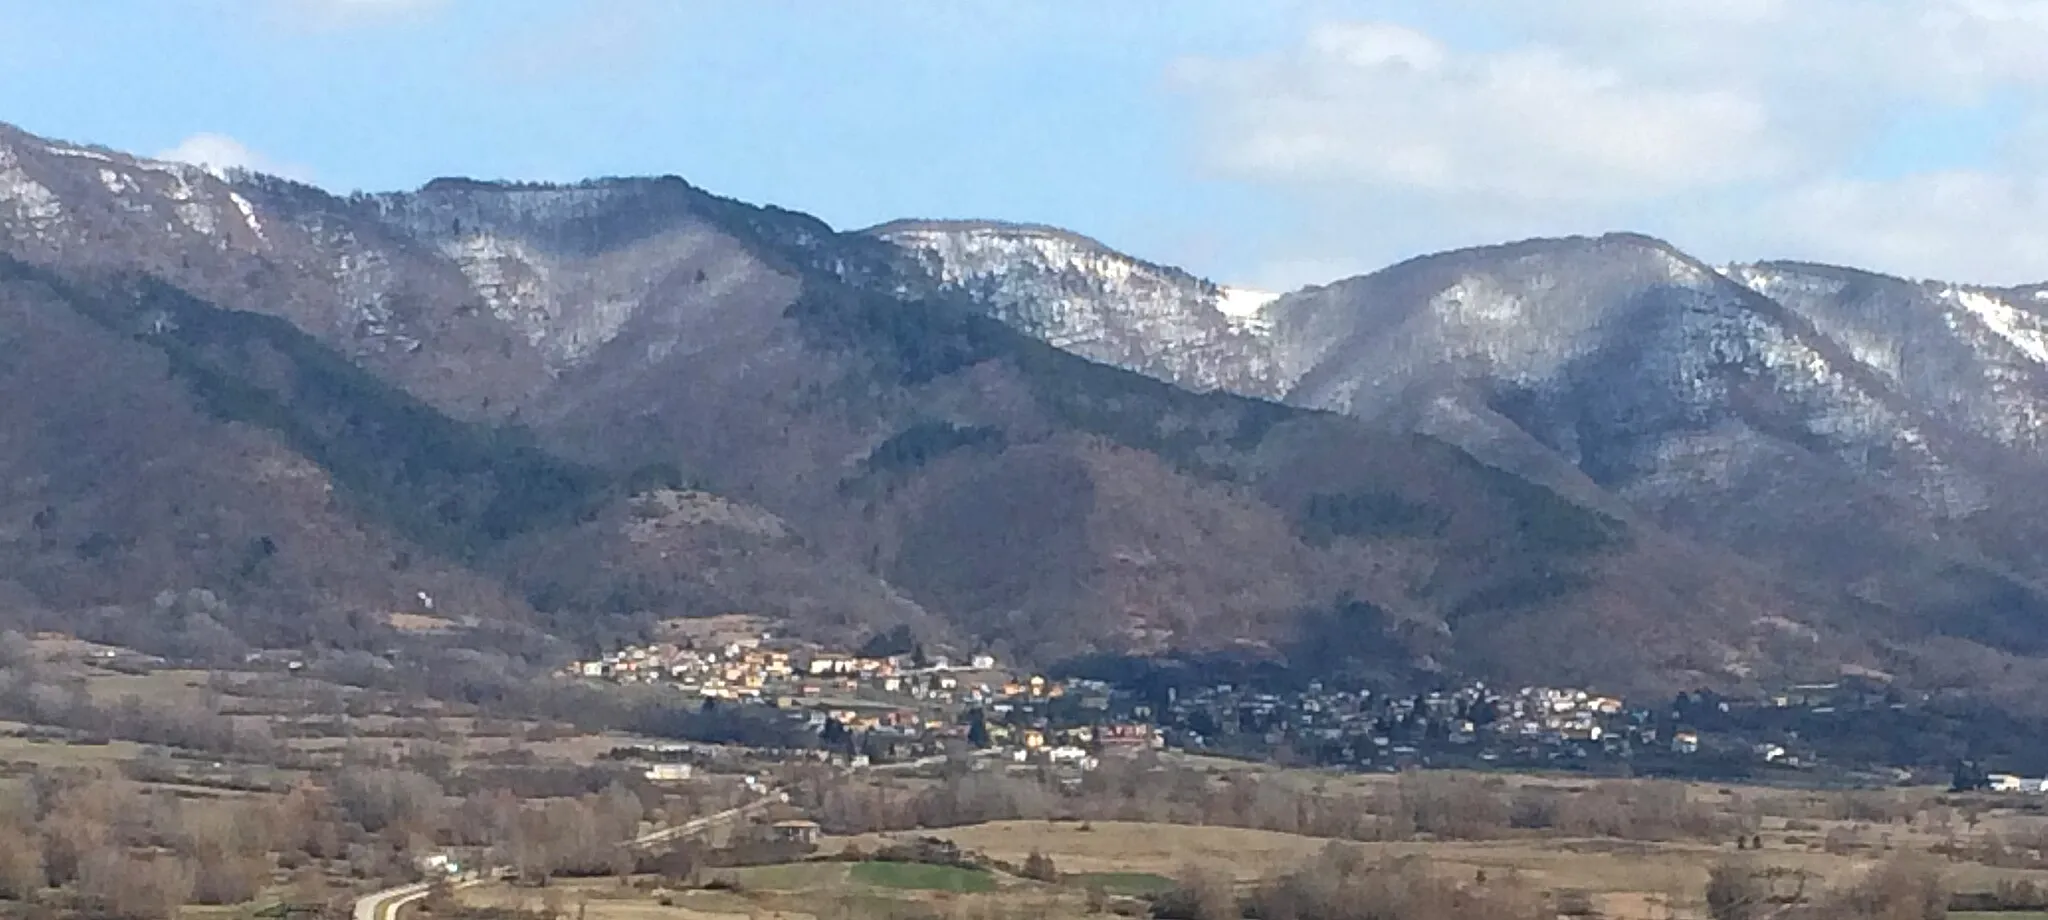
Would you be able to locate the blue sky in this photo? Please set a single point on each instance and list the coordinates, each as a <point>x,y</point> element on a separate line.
<point>1266,142</point>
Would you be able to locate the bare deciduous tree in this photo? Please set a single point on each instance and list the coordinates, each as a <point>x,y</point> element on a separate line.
<point>21,863</point>
<point>121,885</point>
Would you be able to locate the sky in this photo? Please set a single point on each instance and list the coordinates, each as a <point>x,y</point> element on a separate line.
<point>1266,143</point>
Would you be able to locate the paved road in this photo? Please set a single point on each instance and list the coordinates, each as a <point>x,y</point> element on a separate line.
<point>695,825</point>
<point>385,904</point>
<point>932,761</point>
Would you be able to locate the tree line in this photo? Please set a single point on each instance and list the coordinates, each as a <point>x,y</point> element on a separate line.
<point>1416,805</point>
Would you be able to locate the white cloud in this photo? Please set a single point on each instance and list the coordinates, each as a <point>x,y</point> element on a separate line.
<point>1850,51</point>
<point>1736,127</point>
<point>1956,225</point>
<point>219,153</point>
<point>1375,103</point>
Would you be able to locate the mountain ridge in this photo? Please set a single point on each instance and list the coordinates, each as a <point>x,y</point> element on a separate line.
<point>931,452</point>
<point>1682,390</point>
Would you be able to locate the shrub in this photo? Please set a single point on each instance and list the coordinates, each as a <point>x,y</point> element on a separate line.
<point>1736,891</point>
<point>1039,867</point>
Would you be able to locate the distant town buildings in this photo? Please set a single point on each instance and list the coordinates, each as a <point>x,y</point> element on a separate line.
<point>901,707</point>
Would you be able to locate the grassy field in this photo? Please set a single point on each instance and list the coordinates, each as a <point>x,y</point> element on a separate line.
<point>919,877</point>
<point>1628,880</point>
<point>835,876</point>
<point>792,877</point>
<point>1111,846</point>
<point>156,686</point>
<point>61,754</point>
<point>603,899</point>
<point>1133,884</point>
<point>798,891</point>
<point>1830,836</point>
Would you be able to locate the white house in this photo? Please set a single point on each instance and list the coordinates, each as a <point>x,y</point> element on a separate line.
<point>668,772</point>
<point>440,863</point>
<point>2013,782</point>
<point>1066,753</point>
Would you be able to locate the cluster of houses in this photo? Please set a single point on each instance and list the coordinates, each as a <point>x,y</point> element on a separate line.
<point>1467,715</point>
<point>888,707</point>
<point>1473,723</point>
<point>1031,719</point>
<point>898,707</point>
<point>1026,728</point>
<point>757,668</point>
<point>2011,782</point>
<point>1698,733</point>
<point>908,706</point>
<point>1563,714</point>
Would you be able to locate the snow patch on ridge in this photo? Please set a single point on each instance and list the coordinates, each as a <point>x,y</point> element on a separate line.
<point>190,209</point>
<point>81,154</point>
<point>117,183</point>
<point>248,214</point>
<point>511,280</point>
<point>1877,352</point>
<point>516,283</point>
<point>1080,296</point>
<point>1244,302</point>
<point>32,202</point>
<point>2022,330</point>
<point>1246,309</point>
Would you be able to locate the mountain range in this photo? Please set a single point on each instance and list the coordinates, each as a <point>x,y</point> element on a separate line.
<point>244,411</point>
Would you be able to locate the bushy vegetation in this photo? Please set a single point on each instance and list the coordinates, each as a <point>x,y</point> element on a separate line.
<point>446,483</point>
<point>1422,804</point>
<point>914,343</point>
<point>919,444</point>
<point>1342,884</point>
<point>28,695</point>
<point>1899,888</point>
<point>711,723</point>
<point>451,485</point>
<point>911,343</point>
<point>1351,641</point>
<point>1372,513</point>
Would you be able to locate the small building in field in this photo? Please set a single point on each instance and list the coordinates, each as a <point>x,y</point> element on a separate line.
<point>440,864</point>
<point>668,772</point>
<point>796,831</point>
